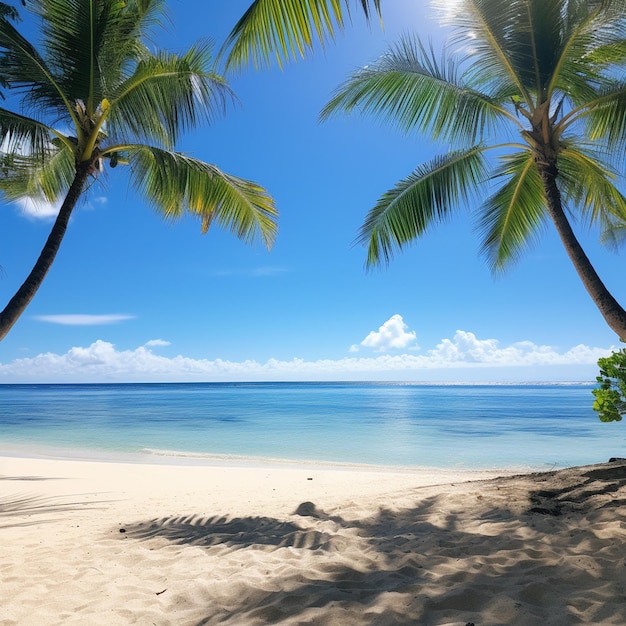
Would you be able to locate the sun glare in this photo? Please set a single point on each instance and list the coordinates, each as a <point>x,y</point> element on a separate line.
<point>447,10</point>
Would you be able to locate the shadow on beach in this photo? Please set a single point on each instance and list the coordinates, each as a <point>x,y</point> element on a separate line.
<point>38,509</point>
<point>518,550</point>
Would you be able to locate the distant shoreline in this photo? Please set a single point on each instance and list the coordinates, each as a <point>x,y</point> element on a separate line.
<point>379,383</point>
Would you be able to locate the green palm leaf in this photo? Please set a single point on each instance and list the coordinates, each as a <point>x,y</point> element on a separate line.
<point>590,184</point>
<point>22,135</point>
<point>89,43</point>
<point>413,89</point>
<point>285,29</point>
<point>605,115</point>
<point>44,177</point>
<point>614,235</point>
<point>428,195</point>
<point>27,73</point>
<point>8,12</point>
<point>177,184</point>
<point>536,46</point>
<point>489,22</point>
<point>513,215</point>
<point>167,94</point>
<point>574,71</point>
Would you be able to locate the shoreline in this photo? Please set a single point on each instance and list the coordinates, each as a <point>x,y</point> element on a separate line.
<point>114,474</point>
<point>99,543</point>
<point>198,459</point>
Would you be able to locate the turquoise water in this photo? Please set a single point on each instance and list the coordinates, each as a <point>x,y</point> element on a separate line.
<point>447,426</point>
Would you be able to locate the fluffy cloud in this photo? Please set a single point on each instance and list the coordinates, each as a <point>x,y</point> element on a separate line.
<point>465,349</point>
<point>42,210</point>
<point>462,358</point>
<point>38,210</point>
<point>84,320</point>
<point>393,334</point>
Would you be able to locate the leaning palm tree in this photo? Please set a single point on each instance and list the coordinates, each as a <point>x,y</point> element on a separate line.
<point>544,74</point>
<point>93,96</point>
<point>287,29</point>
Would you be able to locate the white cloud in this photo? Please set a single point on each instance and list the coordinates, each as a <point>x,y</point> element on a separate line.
<point>84,320</point>
<point>393,334</point>
<point>157,343</point>
<point>42,210</point>
<point>466,349</point>
<point>462,358</point>
<point>38,209</point>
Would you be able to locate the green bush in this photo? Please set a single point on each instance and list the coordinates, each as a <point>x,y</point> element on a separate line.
<point>610,402</point>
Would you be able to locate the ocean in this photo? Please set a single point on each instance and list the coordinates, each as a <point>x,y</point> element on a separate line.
<point>505,426</point>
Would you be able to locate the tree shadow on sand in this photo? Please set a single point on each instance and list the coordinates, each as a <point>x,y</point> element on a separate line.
<point>241,532</point>
<point>583,491</point>
<point>24,510</point>
<point>489,552</point>
<point>28,510</point>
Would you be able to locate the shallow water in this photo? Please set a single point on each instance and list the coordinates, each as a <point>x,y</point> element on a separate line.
<point>451,426</point>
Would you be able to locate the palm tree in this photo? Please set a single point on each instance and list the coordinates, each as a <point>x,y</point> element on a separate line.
<point>94,96</point>
<point>286,29</point>
<point>544,73</point>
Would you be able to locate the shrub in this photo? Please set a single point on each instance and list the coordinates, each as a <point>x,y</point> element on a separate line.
<point>610,402</point>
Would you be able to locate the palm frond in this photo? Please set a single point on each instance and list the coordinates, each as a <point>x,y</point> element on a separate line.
<point>540,46</point>
<point>286,29</point>
<point>592,43</point>
<point>614,235</point>
<point>89,44</point>
<point>590,184</point>
<point>24,70</point>
<point>43,177</point>
<point>536,44</point>
<point>23,135</point>
<point>511,218</point>
<point>605,115</point>
<point>8,12</point>
<point>427,196</point>
<point>482,30</point>
<point>413,89</point>
<point>167,94</point>
<point>177,184</point>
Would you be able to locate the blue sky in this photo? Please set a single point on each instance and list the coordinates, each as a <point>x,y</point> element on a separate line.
<point>133,298</point>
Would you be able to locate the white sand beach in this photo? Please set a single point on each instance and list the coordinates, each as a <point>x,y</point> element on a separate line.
<point>95,543</point>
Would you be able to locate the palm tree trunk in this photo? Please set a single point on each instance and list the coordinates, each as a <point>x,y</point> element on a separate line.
<point>613,313</point>
<point>27,291</point>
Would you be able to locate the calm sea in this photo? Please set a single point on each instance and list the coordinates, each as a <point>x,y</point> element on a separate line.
<point>417,425</point>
